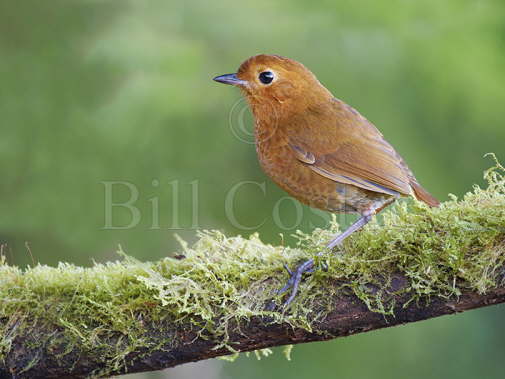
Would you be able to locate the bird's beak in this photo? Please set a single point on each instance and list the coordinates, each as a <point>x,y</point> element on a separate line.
<point>230,79</point>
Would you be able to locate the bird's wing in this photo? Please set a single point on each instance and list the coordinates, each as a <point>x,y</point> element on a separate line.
<point>350,150</point>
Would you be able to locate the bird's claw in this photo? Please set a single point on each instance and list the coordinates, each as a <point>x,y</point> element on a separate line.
<point>295,279</point>
<point>287,269</point>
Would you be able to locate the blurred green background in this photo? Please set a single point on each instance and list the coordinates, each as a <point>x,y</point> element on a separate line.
<point>95,91</point>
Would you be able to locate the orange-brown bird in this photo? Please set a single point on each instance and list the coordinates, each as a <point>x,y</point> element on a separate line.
<point>319,149</point>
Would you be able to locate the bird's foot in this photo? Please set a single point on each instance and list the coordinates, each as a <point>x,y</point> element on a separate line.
<point>295,279</point>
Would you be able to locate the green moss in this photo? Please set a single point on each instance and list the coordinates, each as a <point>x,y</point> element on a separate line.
<point>441,251</point>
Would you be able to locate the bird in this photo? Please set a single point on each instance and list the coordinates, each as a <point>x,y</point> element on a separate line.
<point>319,149</point>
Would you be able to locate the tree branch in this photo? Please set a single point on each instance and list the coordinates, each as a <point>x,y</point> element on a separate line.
<point>349,316</point>
<point>215,299</point>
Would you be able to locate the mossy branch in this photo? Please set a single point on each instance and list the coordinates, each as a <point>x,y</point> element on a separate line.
<point>46,351</point>
<point>131,316</point>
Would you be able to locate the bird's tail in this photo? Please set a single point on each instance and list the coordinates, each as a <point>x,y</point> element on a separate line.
<point>423,195</point>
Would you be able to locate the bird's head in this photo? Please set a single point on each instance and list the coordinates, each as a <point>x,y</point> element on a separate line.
<point>273,79</point>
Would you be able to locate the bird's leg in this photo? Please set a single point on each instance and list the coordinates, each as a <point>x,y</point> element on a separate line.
<point>308,266</point>
<point>360,223</point>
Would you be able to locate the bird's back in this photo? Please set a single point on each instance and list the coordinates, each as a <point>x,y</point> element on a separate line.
<point>331,157</point>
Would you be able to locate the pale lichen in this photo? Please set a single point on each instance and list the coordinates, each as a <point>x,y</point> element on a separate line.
<point>224,280</point>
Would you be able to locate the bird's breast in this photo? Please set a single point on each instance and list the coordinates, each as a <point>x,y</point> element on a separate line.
<point>280,163</point>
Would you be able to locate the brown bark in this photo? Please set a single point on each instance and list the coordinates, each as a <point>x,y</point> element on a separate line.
<point>349,316</point>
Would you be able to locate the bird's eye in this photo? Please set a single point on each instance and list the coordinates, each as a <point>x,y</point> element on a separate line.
<point>266,77</point>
